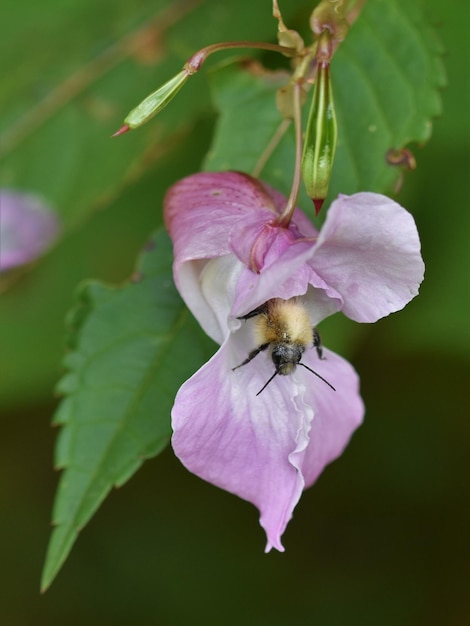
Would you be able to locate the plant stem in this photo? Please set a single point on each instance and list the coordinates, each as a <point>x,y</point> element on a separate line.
<point>286,216</point>
<point>193,64</point>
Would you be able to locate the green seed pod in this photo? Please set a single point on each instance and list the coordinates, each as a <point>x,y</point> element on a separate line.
<point>156,101</point>
<point>320,140</point>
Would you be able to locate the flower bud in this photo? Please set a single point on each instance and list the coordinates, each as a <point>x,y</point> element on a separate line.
<point>329,16</point>
<point>155,102</point>
<point>320,140</point>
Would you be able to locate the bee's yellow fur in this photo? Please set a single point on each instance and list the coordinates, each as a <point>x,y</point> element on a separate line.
<point>285,321</point>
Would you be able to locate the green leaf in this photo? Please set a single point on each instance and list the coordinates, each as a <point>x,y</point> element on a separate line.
<point>386,76</point>
<point>128,356</point>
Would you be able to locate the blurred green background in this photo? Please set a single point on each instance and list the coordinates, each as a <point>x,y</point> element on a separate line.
<point>383,536</point>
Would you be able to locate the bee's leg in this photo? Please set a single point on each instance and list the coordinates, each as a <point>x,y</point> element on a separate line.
<point>252,355</point>
<point>258,311</point>
<point>317,343</point>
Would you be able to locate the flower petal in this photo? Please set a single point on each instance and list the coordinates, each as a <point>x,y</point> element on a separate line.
<point>241,442</point>
<point>337,413</point>
<point>369,251</point>
<point>258,240</point>
<point>208,289</point>
<point>201,210</point>
<point>27,228</point>
<point>290,276</point>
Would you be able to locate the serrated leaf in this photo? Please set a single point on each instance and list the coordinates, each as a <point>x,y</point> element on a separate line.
<point>130,354</point>
<point>386,76</point>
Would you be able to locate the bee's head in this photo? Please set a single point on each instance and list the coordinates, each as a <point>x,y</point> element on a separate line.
<point>286,356</point>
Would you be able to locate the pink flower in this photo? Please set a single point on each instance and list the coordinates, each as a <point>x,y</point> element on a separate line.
<point>27,228</point>
<point>231,257</point>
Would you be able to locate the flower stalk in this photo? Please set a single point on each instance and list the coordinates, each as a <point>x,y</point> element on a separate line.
<point>286,216</point>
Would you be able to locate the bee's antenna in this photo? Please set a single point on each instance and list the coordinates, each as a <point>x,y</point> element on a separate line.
<point>313,372</point>
<point>266,384</point>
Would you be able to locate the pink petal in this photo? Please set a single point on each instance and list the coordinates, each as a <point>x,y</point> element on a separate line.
<point>255,238</point>
<point>208,289</point>
<point>337,413</point>
<point>287,277</point>
<point>258,241</point>
<point>241,442</point>
<point>27,228</point>
<point>201,210</point>
<point>369,251</point>
<point>200,213</point>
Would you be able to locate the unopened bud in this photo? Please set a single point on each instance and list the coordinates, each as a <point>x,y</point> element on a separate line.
<point>329,16</point>
<point>320,140</point>
<point>155,102</point>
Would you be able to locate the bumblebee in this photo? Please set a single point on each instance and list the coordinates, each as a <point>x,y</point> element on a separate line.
<point>283,327</point>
